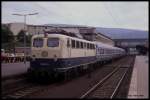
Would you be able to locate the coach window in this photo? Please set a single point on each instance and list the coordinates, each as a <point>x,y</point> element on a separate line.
<point>102,51</point>
<point>94,46</point>
<point>81,44</point>
<point>84,45</point>
<point>77,44</point>
<point>87,45</point>
<point>68,43</point>
<point>90,46</point>
<point>106,51</point>
<point>73,43</point>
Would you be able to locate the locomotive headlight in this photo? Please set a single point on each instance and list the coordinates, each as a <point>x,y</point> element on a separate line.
<point>55,58</point>
<point>44,54</point>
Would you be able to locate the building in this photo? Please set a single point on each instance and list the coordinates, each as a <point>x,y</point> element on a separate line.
<point>130,44</point>
<point>94,36</point>
<point>80,31</point>
<point>16,27</point>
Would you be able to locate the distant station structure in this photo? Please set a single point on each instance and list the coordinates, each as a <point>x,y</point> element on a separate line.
<point>91,35</point>
<point>80,31</point>
<point>130,44</point>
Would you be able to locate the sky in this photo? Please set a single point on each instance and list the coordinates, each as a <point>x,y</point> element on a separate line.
<point>130,15</point>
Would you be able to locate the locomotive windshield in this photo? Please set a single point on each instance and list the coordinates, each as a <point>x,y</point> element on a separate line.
<point>38,42</point>
<point>53,42</point>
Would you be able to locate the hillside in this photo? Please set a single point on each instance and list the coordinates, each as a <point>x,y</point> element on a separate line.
<point>118,33</point>
<point>114,33</point>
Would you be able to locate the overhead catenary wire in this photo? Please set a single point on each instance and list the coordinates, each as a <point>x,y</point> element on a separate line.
<point>50,13</point>
<point>112,15</point>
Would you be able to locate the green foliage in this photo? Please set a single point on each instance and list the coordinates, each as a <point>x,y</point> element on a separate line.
<point>9,41</point>
<point>20,36</point>
<point>7,38</point>
<point>29,39</point>
<point>6,35</point>
<point>142,49</point>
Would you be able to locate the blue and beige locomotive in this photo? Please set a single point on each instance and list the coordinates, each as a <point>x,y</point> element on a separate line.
<point>52,54</point>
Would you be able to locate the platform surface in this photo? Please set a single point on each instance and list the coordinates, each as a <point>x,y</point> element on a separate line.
<point>9,69</point>
<point>139,86</point>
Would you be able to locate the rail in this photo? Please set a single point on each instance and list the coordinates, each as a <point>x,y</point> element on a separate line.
<point>112,76</point>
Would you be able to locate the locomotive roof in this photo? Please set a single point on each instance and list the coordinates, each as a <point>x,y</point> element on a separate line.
<point>99,44</point>
<point>61,36</point>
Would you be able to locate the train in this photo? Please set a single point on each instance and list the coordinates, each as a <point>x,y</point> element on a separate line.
<point>54,54</point>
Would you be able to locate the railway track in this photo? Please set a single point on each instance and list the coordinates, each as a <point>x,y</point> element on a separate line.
<point>109,85</point>
<point>23,89</point>
<point>22,92</point>
<point>20,89</point>
<point>17,87</point>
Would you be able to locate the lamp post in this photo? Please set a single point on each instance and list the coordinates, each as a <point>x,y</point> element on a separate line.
<point>25,15</point>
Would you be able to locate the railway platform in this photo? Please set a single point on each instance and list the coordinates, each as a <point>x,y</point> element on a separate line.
<point>139,81</point>
<point>12,69</point>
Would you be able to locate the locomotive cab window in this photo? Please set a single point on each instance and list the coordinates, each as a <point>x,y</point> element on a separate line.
<point>52,42</point>
<point>38,42</point>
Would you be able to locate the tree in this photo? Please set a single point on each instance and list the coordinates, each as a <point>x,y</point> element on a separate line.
<point>142,49</point>
<point>29,36</point>
<point>6,35</point>
<point>7,38</point>
<point>20,36</point>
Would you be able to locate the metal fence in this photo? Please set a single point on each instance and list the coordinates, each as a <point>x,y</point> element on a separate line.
<point>14,59</point>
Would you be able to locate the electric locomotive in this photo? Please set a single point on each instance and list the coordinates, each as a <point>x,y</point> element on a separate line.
<point>52,54</point>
